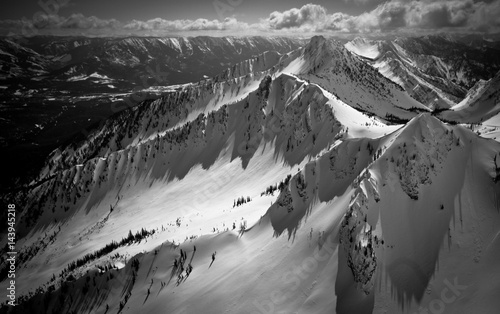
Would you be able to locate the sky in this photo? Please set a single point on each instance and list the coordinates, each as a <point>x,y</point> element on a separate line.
<point>246,17</point>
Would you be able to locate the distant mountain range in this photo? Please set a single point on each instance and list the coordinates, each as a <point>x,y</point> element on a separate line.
<point>133,62</point>
<point>54,88</point>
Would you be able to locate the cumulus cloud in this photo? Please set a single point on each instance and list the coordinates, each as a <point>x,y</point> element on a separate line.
<point>308,15</point>
<point>486,17</point>
<point>439,14</point>
<point>391,15</point>
<point>464,14</point>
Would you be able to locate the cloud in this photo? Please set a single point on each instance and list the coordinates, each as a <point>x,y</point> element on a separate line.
<point>315,18</point>
<point>159,24</point>
<point>307,15</point>
<point>439,14</point>
<point>390,16</point>
<point>79,21</point>
<point>52,21</point>
<point>15,24</point>
<point>408,15</point>
<point>460,14</point>
<point>55,24</point>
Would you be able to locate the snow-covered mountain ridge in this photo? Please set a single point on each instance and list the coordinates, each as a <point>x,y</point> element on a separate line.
<point>343,211</point>
<point>435,70</point>
<point>138,61</point>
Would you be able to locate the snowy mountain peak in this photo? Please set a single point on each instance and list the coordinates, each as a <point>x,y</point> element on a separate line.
<point>435,70</point>
<point>319,45</point>
<point>364,47</point>
<point>329,64</point>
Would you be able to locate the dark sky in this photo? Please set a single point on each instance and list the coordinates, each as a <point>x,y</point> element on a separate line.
<point>124,10</point>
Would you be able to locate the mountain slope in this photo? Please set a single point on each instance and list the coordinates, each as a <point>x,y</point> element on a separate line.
<point>283,194</point>
<point>365,234</point>
<point>330,65</point>
<point>16,61</point>
<point>420,67</point>
<point>482,103</point>
<point>145,61</point>
<point>55,88</point>
<point>449,59</point>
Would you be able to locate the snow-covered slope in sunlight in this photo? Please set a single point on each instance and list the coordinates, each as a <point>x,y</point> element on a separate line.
<point>473,94</point>
<point>482,103</point>
<point>329,64</point>
<point>370,226</point>
<point>148,157</point>
<point>440,224</point>
<point>490,128</point>
<point>406,69</point>
<point>443,57</point>
<point>364,47</point>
